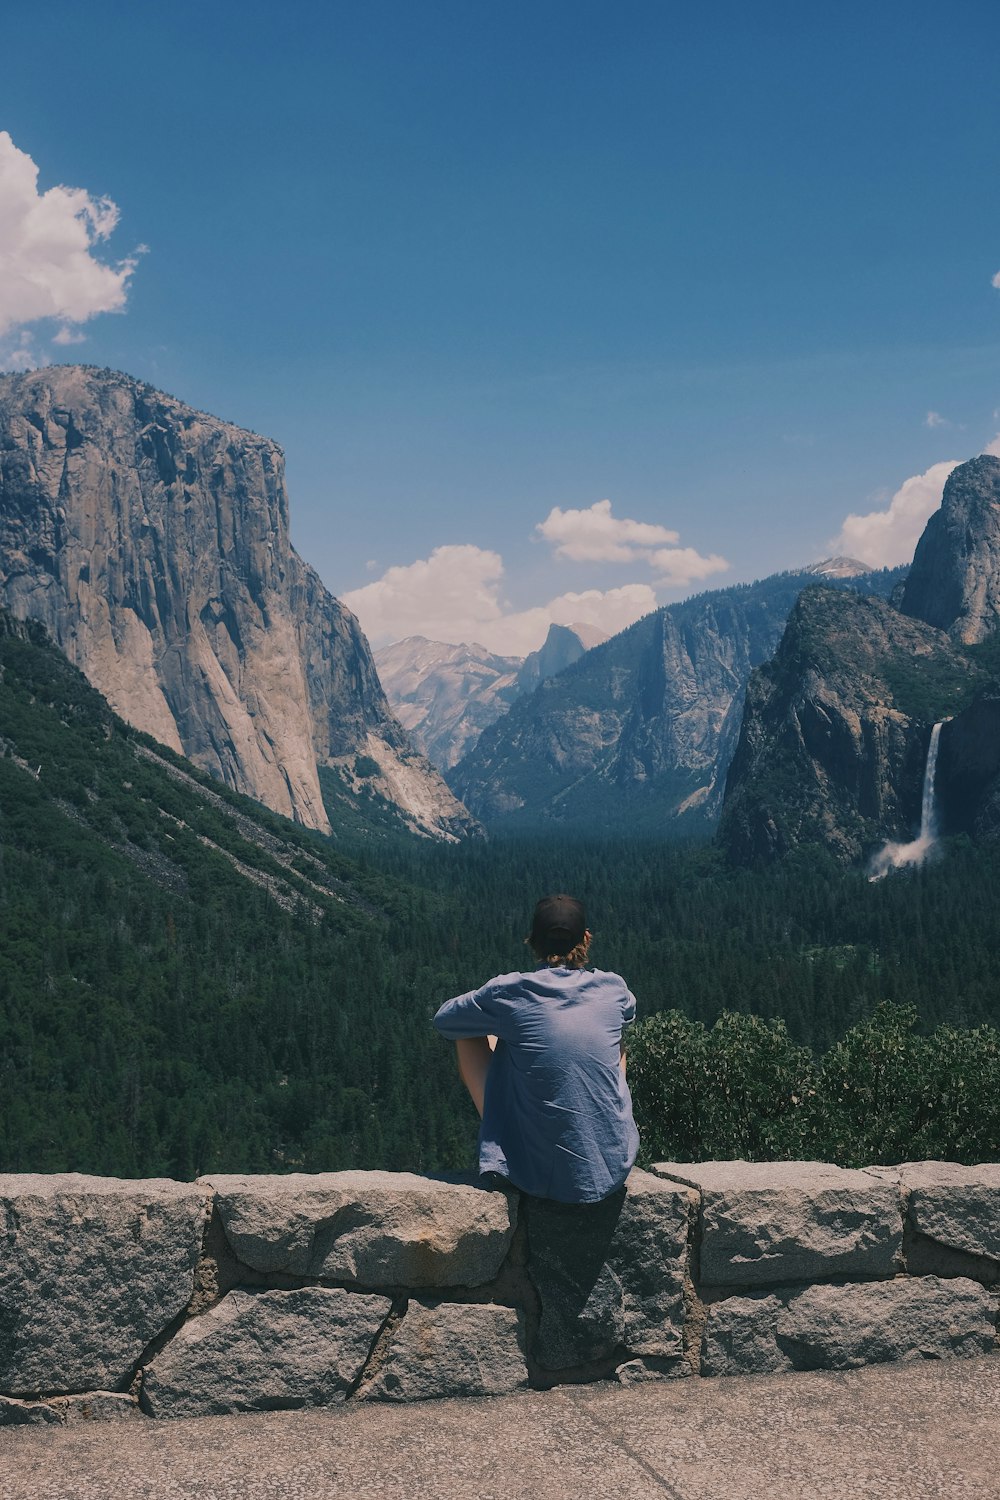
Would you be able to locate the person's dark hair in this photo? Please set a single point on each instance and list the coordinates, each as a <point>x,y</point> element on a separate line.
<point>559,931</point>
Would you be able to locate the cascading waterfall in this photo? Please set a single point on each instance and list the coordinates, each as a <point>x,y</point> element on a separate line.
<point>895,856</point>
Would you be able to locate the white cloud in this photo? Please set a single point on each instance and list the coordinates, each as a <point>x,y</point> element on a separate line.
<point>595,535</point>
<point>19,353</point>
<point>46,251</point>
<point>996,281</point>
<point>885,538</point>
<point>679,566</point>
<point>456,595</point>
<point>935,419</point>
<point>993,447</point>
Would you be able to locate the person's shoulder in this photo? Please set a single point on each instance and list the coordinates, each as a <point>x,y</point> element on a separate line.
<point>512,981</point>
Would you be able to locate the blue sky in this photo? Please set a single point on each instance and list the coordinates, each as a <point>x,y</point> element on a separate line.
<point>481,268</point>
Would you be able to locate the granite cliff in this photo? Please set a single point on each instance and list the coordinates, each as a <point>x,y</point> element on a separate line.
<point>640,730</point>
<point>152,542</point>
<point>955,579</point>
<point>835,730</point>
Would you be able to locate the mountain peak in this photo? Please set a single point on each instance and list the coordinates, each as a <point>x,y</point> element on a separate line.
<point>954,582</point>
<point>838,567</point>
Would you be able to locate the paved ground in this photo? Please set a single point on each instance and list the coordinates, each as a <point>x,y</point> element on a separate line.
<point>910,1431</point>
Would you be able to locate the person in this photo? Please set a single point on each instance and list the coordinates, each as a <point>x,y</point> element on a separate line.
<point>555,1107</point>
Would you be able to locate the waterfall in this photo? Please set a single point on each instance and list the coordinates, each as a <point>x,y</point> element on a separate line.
<point>928,827</point>
<point>895,856</point>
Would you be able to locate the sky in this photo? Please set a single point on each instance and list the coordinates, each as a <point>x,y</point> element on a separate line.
<point>560,310</point>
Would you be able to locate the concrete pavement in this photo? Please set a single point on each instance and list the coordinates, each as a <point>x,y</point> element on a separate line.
<point>897,1432</point>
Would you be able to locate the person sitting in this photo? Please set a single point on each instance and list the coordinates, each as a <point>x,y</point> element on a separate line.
<point>542,1056</point>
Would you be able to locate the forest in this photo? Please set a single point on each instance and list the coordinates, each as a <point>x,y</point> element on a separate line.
<point>163,1012</point>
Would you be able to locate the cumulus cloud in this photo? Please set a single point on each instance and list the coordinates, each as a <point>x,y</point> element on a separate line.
<point>996,281</point>
<point>678,566</point>
<point>456,595</point>
<point>935,419</point>
<point>885,538</point>
<point>595,535</point>
<point>47,243</point>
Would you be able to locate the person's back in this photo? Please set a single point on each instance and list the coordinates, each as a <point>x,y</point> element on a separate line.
<point>557,1115</point>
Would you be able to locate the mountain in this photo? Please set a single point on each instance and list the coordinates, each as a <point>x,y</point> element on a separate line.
<point>640,729</point>
<point>838,567</point>
<point>836,728</point>
<point>835,731</point>
<point>563,645</point>
<point>445,695</point>
<point>152,542</point>
<point>954,582</point>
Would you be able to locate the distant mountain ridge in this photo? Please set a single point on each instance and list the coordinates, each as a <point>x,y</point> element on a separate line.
<point>446,695</point>
<point>152,542</point>
<point>639,732</point>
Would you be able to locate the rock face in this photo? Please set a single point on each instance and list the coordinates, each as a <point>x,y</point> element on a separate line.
<point>445,696</point>
<point>641,729</point>
<point>374,1228</point>
<point>452,1349</point>
<point>563,645</point>
<point>968,770</point>
<point>152,542</point>
<point>957,1206</point>
<point>835,731</point>
<point>842,1327</point>
<point>265,1351</point>
<point>763,1223</point>
<point>91,1269</point>
<point>955,579</point>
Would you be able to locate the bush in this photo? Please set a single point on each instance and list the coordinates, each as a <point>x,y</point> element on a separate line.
<point>884,1094</point>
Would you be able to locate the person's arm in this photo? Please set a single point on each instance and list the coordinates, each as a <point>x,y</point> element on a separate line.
<point>475,1053</point>
<point>464,1021</point>
<point>621,1059</point>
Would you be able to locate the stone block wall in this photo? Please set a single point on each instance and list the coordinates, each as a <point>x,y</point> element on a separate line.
<point>124,1299</point>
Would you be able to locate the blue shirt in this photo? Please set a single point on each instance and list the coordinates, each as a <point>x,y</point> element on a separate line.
<point>557,1116</point>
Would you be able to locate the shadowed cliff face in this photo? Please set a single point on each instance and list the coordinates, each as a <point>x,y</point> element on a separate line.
<point>835,729</point>
<point>955,579</point>
<point>152,542</point>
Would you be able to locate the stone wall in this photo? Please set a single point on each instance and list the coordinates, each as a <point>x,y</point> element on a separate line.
<point>121,1299</point>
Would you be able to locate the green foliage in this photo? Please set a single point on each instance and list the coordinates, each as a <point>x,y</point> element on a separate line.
<point>883,1094</point>
<point>735,1090</point>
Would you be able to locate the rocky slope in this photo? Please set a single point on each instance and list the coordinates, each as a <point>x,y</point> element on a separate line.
<point>152,542</point>
<point>445,695</point>
<point>835,731</point>
<point>640,730</point>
